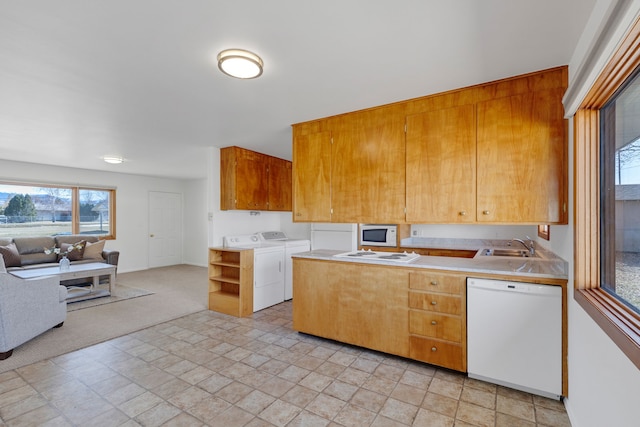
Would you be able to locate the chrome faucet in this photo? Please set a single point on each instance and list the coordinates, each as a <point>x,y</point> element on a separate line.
<point>530,247</point>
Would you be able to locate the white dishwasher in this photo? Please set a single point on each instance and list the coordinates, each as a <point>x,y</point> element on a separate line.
<point>514,335</point>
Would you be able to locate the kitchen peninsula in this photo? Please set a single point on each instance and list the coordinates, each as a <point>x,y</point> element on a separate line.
<point>414,309</point>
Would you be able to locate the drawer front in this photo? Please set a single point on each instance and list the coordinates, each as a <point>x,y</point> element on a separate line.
<point>439,303</point>
<point>435,325</point>
<point>436,352</point>
<point>434,282</point>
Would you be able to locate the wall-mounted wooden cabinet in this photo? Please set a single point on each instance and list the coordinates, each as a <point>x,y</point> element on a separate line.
<point>311,176</point>
<point>492,153</point>
<point>254,181</point>
<point>441,166</point>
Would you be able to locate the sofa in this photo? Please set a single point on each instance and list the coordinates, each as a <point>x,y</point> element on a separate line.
<point>28,307</point>
<point>29,252</point>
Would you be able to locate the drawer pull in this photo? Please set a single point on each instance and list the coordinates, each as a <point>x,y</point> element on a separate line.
<point>434,282</point>
<point>434,302</point>
<point>433,322</point>
<point>462,213</point>
<point>434,349</point>
<point>485,212</point>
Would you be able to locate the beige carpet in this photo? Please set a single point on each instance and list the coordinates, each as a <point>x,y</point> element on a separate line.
<point>177,291</point>
<point>123,293</point>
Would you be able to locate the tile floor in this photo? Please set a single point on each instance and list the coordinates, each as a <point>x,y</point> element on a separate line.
<point>216,370</point>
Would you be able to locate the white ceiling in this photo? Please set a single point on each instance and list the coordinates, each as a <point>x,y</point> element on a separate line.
<point>137,78</point>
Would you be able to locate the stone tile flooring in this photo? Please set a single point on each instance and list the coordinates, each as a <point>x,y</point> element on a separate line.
<point>217,370</point>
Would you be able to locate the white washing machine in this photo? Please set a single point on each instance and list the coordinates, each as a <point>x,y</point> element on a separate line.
<point>268,269</point>
<point>291,246</point>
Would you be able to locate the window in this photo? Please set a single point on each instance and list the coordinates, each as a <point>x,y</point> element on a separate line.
<point>33,210</point>
<point>620,194</point>
<point>607,162</point>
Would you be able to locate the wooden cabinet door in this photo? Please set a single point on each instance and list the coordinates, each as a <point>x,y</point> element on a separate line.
<point>441,166</point>
<point>312,177</point>
<point>368,170</point>
<point>279,184</point>
<point>521,150</point>
<point>360,304</point>
<point>252,180</point>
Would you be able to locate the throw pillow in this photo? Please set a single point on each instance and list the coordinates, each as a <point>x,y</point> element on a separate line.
<point>94,250</point>
<point>76,254</point>
<point>10,255</point>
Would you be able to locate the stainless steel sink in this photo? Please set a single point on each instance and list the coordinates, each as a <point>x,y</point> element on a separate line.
<point>520,253</point>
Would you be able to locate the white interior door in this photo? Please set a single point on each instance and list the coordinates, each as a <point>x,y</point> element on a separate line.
<point>165,229</point>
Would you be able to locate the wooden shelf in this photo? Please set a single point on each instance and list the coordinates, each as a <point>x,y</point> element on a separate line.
<point>231,281</point>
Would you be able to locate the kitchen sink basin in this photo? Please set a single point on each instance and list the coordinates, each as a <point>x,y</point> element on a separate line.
<point>520,253</point>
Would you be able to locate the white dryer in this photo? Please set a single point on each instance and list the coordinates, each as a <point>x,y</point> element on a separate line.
<point>291,246</point>
<point>268,269</point>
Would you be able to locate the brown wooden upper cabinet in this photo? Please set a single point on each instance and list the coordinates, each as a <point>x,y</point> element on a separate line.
<point>311,175</point>
<point>522,158</point>
<point>253,181</point>
<point>441,166</point>
<point>491,153</point>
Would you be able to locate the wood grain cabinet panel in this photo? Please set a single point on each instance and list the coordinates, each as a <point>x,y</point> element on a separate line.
<point>279,184</point>
<point>437,318</point>
<point>435,325</point>
<point>311,175</point>
<point>368,170</point>
<point>360,304</point>
<point>438,352</point>
<point>254,181</point>
<point>441,166</point>
<point>522,157</point>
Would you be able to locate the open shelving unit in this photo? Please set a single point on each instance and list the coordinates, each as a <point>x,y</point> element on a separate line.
<point>231,281</point>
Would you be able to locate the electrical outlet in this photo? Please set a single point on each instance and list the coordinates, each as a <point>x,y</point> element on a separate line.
<point>414,233</point>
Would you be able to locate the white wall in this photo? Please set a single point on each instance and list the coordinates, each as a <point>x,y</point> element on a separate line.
<point>603,384</point>
<point>195,241</point>
<point>131,205</point>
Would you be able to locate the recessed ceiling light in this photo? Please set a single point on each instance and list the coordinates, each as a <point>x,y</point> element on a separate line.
<point>115,160</point>
<point>240,63</point>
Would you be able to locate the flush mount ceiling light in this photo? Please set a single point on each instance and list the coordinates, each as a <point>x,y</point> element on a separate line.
<point>240,63</point>
<point>115,160</point>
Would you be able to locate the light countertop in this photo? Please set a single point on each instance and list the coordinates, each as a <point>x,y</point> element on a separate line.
<point>545,265</point>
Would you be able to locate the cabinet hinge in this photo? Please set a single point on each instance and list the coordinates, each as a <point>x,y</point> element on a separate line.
<point>331,211</point>
<point>405,128</point>
<point>564,207</point>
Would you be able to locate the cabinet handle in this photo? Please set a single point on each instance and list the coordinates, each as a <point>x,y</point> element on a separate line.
<point>434,283</point>
<point>434,349</point>
<point>462,213</point>
<point>485,212</point>
<point>434,302</point>
<point>298,214</point>
<point>433,322</point>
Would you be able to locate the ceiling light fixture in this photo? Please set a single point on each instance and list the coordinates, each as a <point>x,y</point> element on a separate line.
<point>115,160</point>
<point>240,63</point>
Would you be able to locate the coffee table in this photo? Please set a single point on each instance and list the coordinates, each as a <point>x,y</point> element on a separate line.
<point>76,271</point>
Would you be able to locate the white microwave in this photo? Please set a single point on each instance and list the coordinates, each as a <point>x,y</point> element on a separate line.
<point>378,235</point>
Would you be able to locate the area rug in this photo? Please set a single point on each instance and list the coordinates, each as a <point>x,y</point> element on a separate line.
<point>120,294</point>
<point>176,291</point>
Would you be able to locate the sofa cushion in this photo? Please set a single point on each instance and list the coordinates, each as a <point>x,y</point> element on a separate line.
<point>31,249</point>
<point>94,250</point>
<point>11,255</point>
<point>77,252</point>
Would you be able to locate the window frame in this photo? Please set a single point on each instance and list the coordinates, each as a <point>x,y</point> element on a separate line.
<point>75,203</point>
<point>618,321</point>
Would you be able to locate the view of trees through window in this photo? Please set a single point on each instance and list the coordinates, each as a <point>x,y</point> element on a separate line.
<point>37,211</point>
<point>620,201</point>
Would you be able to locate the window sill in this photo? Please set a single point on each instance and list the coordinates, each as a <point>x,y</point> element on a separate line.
<point>620,323</point>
